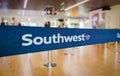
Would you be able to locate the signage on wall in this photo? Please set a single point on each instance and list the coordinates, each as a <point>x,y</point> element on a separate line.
<point>97,19</point>
<point>51,11</point>
<point>15,40</point>
<point>62,6</point>
<point>74,11</point>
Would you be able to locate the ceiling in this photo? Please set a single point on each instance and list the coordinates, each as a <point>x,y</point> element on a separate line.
<point>42,4</point>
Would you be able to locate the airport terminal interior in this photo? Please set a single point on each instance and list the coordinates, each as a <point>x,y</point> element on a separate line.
<point>91,60</point>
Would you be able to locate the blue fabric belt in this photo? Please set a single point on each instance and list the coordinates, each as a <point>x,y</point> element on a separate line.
<point>15,40</point>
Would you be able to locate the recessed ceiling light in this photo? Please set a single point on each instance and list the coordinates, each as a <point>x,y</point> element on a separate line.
<point>25,3</point>
<point>77,4</point>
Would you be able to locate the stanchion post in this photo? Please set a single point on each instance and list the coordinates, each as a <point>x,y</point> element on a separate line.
<point>116,46</point>
<point>50,63</point>
<point>68,51</point>
<point>117,52</point>
<point>105,47</point>
<point>105,53</point>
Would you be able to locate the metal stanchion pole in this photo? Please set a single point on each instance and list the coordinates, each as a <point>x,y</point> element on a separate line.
<point>105,53</point>
<point>50,63</point>
<point>68,51</point>
<point>75,50</point>
<point>105,46</point>
<point>117,52</point>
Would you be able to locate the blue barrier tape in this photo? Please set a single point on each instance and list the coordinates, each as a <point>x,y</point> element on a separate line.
<point>15,40</point>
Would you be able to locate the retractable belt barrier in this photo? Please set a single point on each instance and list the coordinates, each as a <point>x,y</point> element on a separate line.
<point>16,40</point>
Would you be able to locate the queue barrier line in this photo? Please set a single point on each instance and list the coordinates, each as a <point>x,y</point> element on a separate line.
<point>16,40</point>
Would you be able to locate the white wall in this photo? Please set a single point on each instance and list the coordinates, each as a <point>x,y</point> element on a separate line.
<point>25,16</point>
<point>81,18</point>
<point>29,16</point>
<point>113,17</point>
<point>32,16</point>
